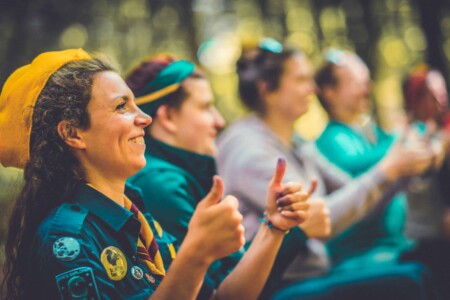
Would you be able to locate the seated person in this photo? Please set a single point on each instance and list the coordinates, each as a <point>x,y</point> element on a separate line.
<point>426,100</point>
<point>355,144</point>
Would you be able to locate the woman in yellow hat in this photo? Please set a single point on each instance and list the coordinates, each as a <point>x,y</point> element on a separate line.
<point>71,122</point>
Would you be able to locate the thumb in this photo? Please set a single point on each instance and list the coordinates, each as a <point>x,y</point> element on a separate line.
<point>313,186</point>
<point>215,193</point>
<point>277,179</point>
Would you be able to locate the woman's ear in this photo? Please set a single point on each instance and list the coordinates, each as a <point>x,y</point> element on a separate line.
<point>70,134</point>
<point>262,88</point>
<point>165,117</point>
<point>328,94</point>
<point>267,96</point>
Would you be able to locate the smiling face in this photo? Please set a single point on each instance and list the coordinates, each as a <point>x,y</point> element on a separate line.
<point>113,145</point>
<point>291,98</point>
<point>197,121</point>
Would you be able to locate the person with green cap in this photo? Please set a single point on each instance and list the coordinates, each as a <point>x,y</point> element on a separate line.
<point>180,162</point>
<point>75,231</point>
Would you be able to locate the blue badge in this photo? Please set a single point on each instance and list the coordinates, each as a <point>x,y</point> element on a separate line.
<point>77,283</point>
<point>137,272</point>
<point>66,248</point>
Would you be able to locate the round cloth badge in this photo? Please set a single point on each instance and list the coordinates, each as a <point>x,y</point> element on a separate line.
<point>114,263</point>
<point>78,287</point>
<point>66,248</point>
<point>137,272</point>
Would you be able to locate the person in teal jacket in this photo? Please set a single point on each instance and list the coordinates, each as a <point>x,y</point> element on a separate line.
<point>355,144</point>
<point>181,142</point>
<point>76,231</point>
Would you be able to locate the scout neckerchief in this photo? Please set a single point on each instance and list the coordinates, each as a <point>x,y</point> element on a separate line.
<point>148,249</point>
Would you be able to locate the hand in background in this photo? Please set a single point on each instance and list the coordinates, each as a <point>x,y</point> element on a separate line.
<point>318,224</point>
<point>410,156</point>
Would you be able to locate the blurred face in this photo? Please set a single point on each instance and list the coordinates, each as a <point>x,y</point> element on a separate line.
<point>352,92</point>
<point>434,101</point>
<point>296,85</point>
<point>114,143</point>
<point>197,120</point>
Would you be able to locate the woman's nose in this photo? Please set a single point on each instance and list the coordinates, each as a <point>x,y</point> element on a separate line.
<point>142,119</point>
<point>219,121</point>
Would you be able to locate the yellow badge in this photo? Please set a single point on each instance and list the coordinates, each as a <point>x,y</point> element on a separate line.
<point>114,262</point>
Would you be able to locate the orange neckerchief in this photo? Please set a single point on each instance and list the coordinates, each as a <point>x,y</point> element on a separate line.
<point>147,247</point>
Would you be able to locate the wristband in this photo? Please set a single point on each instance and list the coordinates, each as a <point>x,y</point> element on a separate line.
<point>265,220</point>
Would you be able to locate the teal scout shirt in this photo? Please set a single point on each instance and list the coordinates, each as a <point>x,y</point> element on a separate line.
<point>172,184</point>
<point>87,249</point>
<point>379,238</point>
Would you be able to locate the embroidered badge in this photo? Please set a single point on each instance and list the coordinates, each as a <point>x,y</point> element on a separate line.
<point>66,248</point>
<point>77,283</point>
<point>150,278</point>
<point>114,263</point>
<point>137,272</point>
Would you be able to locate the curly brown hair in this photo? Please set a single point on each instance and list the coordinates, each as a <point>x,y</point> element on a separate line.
<point>53,172</point>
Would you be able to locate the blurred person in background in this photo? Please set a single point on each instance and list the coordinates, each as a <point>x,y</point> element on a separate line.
<point>355,144</point>
<point>426,104</point>
<point>275,84</point>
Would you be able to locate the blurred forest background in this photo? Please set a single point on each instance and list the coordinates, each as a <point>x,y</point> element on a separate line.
<point>391,36</point>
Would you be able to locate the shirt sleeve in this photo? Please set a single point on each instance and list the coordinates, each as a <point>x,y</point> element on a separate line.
<point>247,164</point>
<point>346,153</point>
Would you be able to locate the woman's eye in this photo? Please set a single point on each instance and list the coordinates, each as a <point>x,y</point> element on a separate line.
<point>122,106</point>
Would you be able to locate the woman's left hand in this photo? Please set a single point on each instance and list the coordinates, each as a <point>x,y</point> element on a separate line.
<point>287,204</point>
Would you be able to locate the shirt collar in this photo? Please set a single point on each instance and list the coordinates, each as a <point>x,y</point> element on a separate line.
<point>103,207</point>
<point>201,167</point>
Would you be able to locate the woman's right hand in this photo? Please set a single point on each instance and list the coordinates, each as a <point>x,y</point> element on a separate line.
<point>215,230</point>
<point>410,160</point>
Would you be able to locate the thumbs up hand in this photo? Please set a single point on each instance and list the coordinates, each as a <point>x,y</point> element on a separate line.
<point>215,228</point>
<point>286,204</point>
